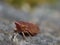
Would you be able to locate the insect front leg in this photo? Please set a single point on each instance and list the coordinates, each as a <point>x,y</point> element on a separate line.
<point>14,36</point>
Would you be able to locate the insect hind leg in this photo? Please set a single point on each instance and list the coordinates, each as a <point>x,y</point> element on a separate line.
<point>24,37</point>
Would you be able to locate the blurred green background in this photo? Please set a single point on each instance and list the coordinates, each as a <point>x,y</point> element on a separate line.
<point>32,3</point>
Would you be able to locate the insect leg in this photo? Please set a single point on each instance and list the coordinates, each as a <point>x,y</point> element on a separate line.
<point>14,36</point>
<point>29,34</point>
<point>24,37</point>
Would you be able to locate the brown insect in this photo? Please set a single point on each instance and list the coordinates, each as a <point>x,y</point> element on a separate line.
<point>26,28</point>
